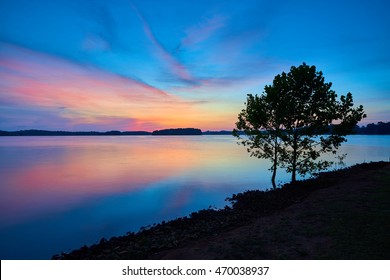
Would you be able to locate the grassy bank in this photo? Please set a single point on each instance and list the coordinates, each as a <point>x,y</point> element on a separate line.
<point>342,214</point>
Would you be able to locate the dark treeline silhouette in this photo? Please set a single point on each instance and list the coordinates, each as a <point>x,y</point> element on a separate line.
<point>221,132</point>
<point>36,132</point>
<point>178,131</point>
<point>381,128</point>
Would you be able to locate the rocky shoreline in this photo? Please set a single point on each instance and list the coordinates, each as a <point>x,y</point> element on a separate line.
<point>154,242</point>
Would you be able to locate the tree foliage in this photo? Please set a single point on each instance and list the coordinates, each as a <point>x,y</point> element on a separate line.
<point>262,126</point>
<point>295,120</point>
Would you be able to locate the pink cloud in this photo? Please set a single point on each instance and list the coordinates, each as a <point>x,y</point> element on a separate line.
<point>17,62</point>
<point>82,95</point>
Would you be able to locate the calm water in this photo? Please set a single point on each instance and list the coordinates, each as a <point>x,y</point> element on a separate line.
<point>59,193</point>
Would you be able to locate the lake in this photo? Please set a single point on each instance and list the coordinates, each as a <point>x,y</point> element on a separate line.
<point>60,193</point>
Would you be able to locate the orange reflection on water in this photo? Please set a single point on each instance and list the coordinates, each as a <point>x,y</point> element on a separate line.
<point>52,176</point>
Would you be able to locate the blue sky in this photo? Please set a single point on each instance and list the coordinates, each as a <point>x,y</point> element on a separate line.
<point>144,65</point>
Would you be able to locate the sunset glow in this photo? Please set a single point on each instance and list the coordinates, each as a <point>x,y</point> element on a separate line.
<point>139,65</point>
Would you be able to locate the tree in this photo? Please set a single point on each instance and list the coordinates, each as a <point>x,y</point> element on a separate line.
<point>262,126</point>
<point>299,117</point>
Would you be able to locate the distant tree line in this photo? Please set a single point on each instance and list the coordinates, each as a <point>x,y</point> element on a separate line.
<point>381,128</point>
<point>36,132</point>
<point>178,131</point>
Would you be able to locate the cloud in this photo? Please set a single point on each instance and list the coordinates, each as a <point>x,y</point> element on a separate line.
<point>99,26</point>
<point>203,30</point>
<point>177,68</point>
<point>79,95</point>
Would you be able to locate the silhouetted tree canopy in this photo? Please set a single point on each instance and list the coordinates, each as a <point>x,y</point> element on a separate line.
<point>295,120</point>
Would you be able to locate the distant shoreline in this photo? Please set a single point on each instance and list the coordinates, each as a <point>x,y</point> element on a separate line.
<point>380,129</point>
<point>164,132</point>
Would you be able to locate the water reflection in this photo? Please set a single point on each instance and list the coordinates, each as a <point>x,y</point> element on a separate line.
<point>53,177</point>
<point>59,193</point>
<point>75,190</point>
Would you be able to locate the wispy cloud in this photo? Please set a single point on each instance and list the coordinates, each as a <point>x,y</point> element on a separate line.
<point>203,30</point>
<point>177,68</point>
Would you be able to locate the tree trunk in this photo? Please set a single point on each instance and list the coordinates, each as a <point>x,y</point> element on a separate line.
<point>275,163</point>
<point>293,176</point>
<point>274,176</point>
<point>294,163</point>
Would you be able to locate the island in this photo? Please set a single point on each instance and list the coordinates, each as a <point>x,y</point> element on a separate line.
<point>178,131</point>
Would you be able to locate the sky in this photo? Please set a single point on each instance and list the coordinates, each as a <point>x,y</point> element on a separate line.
<point>145,65</point>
